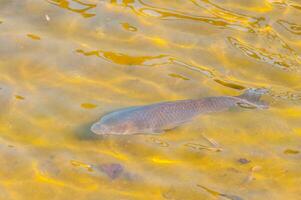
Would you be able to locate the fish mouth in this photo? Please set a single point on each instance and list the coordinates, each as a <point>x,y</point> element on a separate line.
<point>101,129</point>
<point>96,128</point>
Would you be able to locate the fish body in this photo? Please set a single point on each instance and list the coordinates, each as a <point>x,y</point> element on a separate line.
<point>155,118</point>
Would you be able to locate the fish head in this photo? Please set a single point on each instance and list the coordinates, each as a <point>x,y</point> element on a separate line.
<point>100,129</point>
<point>119,128</point>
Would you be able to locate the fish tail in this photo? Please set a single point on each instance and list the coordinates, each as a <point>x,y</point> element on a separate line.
<point>251,97</point>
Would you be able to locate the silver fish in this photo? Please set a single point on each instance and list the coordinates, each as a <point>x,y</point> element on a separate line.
<point>156,118</point>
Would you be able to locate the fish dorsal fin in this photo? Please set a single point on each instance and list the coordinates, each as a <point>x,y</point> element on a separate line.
<point>252,97</point>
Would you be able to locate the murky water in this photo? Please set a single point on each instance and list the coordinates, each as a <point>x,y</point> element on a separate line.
<point>65,63</point>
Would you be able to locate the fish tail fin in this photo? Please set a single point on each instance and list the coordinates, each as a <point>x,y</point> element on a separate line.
<point>251,98</point>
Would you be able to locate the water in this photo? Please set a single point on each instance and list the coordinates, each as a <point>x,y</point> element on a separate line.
<point>65,63</point>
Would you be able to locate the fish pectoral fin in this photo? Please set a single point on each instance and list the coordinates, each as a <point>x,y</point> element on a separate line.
<point>176,125</point>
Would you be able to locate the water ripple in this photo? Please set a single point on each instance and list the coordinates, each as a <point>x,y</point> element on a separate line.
<point>160,60</point>
<point>228,15</point>
<point>76,6</point>
<point>123,59</point>
<point>143,9</point>
<point>291,27</point>
<point>263,55</point>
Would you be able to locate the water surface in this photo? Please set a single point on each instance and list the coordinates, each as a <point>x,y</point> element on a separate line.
<point>65,63</point>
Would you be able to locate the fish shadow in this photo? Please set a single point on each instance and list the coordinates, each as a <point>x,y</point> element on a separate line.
<point>83,132</point>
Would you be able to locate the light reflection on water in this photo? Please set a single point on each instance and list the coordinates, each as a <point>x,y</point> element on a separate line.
<point>65,63</point>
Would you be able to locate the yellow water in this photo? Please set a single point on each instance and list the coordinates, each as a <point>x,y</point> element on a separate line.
<point>65,63</point>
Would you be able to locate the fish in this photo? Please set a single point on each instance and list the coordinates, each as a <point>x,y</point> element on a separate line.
<point>160,117</point>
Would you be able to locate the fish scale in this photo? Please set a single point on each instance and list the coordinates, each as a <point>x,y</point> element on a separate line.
<point>156,118</point>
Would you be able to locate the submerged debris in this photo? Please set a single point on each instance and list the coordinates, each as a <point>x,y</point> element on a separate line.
<point>112,170</point>
<point>291,151</point>
<point>19,97</point>
<point>88,105</point>
<point>215,193</point>
<point>243,161</point>
<point>76,163</point>
<point>34,37</point>
<point>251,174</point>
<point>213,145</point>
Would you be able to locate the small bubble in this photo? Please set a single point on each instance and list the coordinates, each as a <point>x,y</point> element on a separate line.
<point>47,17</point>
